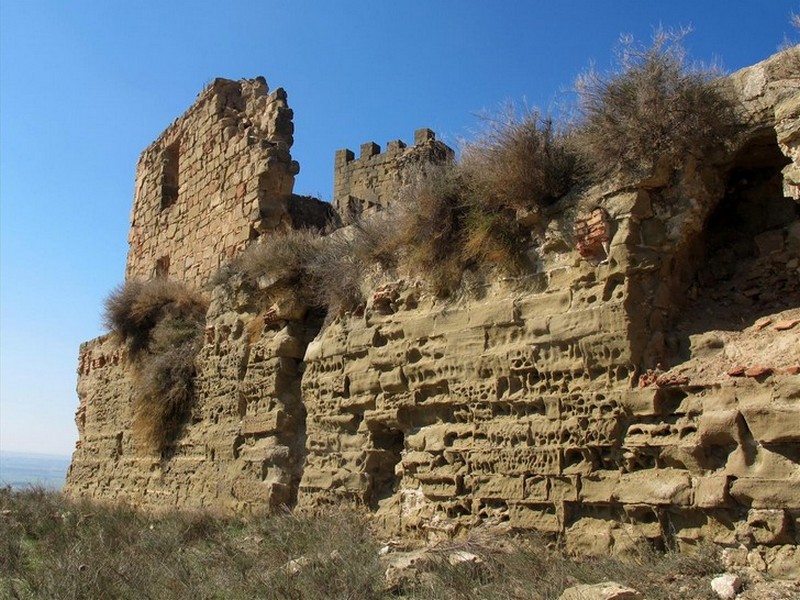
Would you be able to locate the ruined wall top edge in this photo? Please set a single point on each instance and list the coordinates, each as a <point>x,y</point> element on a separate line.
<point>219,93</point>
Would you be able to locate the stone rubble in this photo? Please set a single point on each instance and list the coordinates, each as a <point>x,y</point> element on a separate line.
<point>608,590</point>
<point>726,586</point>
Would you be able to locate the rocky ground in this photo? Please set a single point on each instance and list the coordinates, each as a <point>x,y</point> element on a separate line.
<point>769,343</point>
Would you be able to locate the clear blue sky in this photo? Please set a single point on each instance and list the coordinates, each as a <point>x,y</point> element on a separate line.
<point>86,85</point>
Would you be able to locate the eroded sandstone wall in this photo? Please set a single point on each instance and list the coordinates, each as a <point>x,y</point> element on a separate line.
<point>642,384</point>
<point>243,445</point>
<point>219,176</point>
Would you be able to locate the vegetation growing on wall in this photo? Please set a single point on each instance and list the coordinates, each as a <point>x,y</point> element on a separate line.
<point>487,210</point>
<point>161,322</point>
<point>651,112</point>
<point>520,161</point>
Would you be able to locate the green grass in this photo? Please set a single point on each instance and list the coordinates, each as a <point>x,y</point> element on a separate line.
<point>55,547</point>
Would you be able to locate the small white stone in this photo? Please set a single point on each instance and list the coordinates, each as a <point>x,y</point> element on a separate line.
<point>462,556</point>
<point>726,586</point>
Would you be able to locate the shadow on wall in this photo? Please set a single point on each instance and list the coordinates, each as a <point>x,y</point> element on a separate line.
<point>750,251</point>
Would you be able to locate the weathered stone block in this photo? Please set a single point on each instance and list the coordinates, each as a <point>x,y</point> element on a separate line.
<point>772,424</point>
<point>501,487</point>
<point>599,487</point>
<point>537,306</point>
<point>269,423</point>
<point>720,427</point>
<point>655,486</point>
<point>539,517</point>
<point>765,493</point>
<point>503,312</point>
<point>711,492</point>
<point>766,526</point>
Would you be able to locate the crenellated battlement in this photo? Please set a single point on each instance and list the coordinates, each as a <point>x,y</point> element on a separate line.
<point>372,180</point>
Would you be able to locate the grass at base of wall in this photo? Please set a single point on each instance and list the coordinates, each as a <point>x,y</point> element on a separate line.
<point>55,547</point>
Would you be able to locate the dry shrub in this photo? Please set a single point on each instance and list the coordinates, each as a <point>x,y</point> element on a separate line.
<point>282,257</point>
<point>443,228</point>
<point>456,217</point>
<point>376,239</point>
<point>337,272</point>
<point>520,161</point>
<point>164,383</point>
<point>134,308</point>
<point>319,271</point>
<point>654,108</point>
<point>161,321</point>
<point>494,238</point>
<point>429,226</point>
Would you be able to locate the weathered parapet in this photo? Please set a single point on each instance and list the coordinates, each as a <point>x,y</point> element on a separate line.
<point>217,177</point>
<point>373,180</point>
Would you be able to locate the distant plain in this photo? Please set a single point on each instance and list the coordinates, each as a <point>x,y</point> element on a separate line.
<point>20,470</point>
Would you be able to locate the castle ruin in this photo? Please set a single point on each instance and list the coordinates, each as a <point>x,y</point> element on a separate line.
<point>544,406</point>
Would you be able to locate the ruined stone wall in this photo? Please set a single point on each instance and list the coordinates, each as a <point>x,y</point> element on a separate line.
<point>243,445</point>
<point>552,406</point>
<point>220,175</point>
<point>372,180</point>
<point>642,384</point>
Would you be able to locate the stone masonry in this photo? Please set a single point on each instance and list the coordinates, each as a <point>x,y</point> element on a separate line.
<point>374,179</point>
<point>641,385</point>
<point>219,176</point>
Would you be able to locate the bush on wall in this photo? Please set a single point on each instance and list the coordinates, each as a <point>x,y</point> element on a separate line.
<point>653,108</point>
<point>161,322</point>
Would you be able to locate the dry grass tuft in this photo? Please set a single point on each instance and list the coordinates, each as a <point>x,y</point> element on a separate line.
<point>442,228</point>
<point>281,257</point>
<point>133,309</point>
<point>161,322</point>
<point>54,547</point>
<point>319,271</point>
<point>428,228</point>
<point>654,108</point>
<point>520,161</point>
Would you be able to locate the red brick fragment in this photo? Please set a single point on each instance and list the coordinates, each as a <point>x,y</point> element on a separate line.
<point>648,378</point>
<point>737,371</point>
<point>592,233</point>
<point>758,371</point>
<point>761,323</point>
<point>785,324</point>
<point>793,370</point>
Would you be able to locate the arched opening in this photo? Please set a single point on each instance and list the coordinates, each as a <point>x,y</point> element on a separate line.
<point>746,263</point>
<point>751,247</point>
